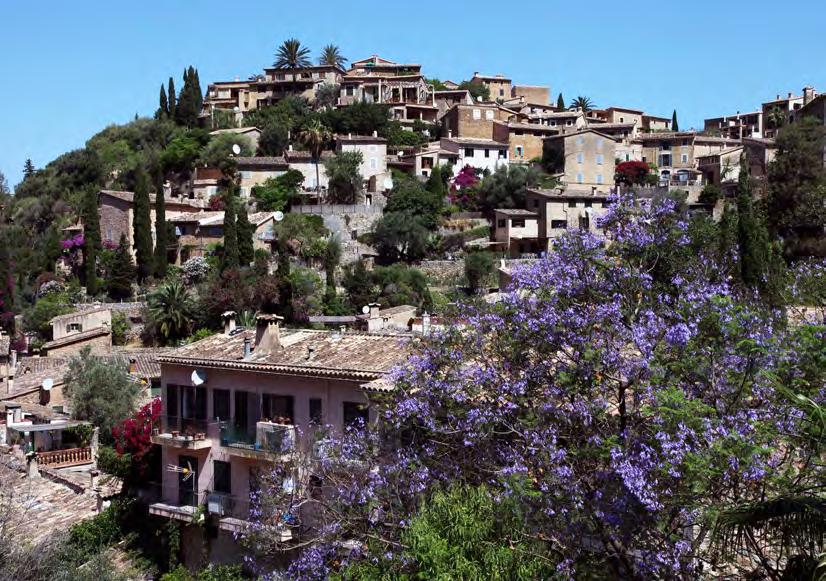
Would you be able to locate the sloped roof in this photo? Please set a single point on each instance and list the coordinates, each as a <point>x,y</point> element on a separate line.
<point>129,197</point>
<point>77,338</point>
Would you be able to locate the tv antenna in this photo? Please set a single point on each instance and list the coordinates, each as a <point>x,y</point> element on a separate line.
<point>187,470</point>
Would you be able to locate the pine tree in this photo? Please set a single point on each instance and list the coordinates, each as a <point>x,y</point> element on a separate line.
<point>560,102</point>
<point>119,285</point>
<point>163,104</point>
<point>161,242</point>
<point>752,235</point>
<point>28,169</point>
<point>674,125</point>
<point>231,255</point>
<point>91,241</point>
<point>172,100</point>
<point>245,232</point>
<point>142,225</point>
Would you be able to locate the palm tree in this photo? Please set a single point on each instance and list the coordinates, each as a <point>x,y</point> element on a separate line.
<point>331,56</point>
<point>291,55</point>
<point>776,118</point>
<point>583,103</point>
<point>314,136</point>
<point>172,309</point>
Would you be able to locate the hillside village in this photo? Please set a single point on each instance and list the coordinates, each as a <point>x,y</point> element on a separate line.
<point>196,297</point>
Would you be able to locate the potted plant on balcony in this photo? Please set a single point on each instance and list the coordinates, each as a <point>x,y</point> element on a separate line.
<point>175,433</point>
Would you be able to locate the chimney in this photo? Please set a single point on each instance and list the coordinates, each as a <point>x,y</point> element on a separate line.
<point>349,136</point>
<point>426,323</point>
<point>374,310</point>
<point>449,133</point>
<point>790,95</point>
<point>133,366</point>
<point>247,347</point>
<point>310,352</point>
<point>229,321</point>
<point>290,147</point>
<point>267,333</point>
<point>808,94</point>
<point>375,133</point>
<point>342,329</point>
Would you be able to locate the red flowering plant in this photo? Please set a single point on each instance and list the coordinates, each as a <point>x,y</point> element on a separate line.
<point>462,188</point>
<point>633,173</point>
<point>133,435</point>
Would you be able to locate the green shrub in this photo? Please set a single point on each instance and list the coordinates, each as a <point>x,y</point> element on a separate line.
<point>91,536</point>
<point>110,462</point>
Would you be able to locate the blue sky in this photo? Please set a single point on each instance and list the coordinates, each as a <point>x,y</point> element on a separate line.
<point>69,69</point>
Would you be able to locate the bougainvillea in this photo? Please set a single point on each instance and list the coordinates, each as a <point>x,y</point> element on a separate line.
<point>632,173</point>
<point>133,436</point>
<point>623,394</point>
<point>462,187</point>
<point>73,243</point>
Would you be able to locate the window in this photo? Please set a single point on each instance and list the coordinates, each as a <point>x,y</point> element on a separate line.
<point>316,413</point>
<point>171,403</point>
<point>600,143</point>
<point>349,91</point>
<point>355,413</point>
<point>600,159</point>
<point>580,157</point>
<point>220,404</point>
<point>622,119</point>
<point>109,235</point>
<point>572,203</point>
<point>489,114</point>
<point>684,158</point>
<point>74,328</point>
<point>580,178</point>
<point>468,152</point>
<point>278,408</point>
<point>559,224</point>
<point>503,154</point>
<point>354,235</point>
<point>588,203</point>
<point>536,203</point>
<point>580,141</point>
<point>553,124</point>
<point>501,92</point>
<point>193,403</point>
<point>373,147</point>
<point>477,114</point>
<point>487,152</point>
<point>222,477</point>
<point>518,222</point>
<point>599,179</point>
<point>500,223</point>
<point>373,163</point>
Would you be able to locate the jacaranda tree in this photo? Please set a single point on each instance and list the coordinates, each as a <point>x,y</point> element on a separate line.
<point>623,396</point>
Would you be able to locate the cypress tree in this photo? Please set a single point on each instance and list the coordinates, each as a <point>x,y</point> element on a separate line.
<point>560,102</point>
<point>752,235</point>
<point>171,98</point>
<point>91,241</point>
<point>727,240</point>
<point>163,104</point>
<point>28,169</point>
<point>674,125</point>
<point>161,242</point>
<point>231,255</point>
<point>6,285</point>
<point>120,280</point>
<point>197,92</point>
<point>245,232</point>
<point>142,225</point>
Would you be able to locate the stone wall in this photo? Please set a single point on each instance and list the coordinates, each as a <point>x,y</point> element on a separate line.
<point>347,222</point>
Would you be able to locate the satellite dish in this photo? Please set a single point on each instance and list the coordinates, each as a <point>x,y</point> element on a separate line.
<point>198,377</point>
<point>236,149</point>
<point>48,384</point>
<point>279,215</point>
<point>388,183</point>
<point>365,309</point>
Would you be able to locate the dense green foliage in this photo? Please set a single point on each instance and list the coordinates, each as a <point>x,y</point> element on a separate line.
<point>478,268</point>
<point>119,281</point>
<point>345,179</point>
<point>142,227</point>
<point>278,193</point>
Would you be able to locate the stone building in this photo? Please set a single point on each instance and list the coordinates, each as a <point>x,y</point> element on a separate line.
<point>584,160</point>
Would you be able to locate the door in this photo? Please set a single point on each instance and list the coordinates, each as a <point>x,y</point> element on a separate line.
<point>188,482</point>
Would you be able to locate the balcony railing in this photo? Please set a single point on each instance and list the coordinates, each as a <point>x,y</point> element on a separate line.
<point>184,432</point>
<point>268,437</point>
<point>65,458</point>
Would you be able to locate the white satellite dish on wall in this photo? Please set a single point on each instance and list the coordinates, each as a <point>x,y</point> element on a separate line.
<point>48,384</point>
<point>236,149</point>
<point>279,215</point>
<point>365,309</point>
<point>198,377</point>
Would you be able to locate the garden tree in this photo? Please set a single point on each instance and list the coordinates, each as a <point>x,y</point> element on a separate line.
<point>400,236</point>
<point>37,318</point>
<point>327,95</point>
<point>245,231</point>
<point>291,56</point>
<point>797,181</point>
<point>345,183</point>
<point>171,311</point>
<point>181,153</point>
<point>276,122</point>
<point>142,227</point>
<point>463,533</point>
<point>28,168</point>
<point>506,187</point>
<point>332,258</point>
<point>231,256</point>
<point>171,96</point>
<point>560,103</point>
<point>410,195</point>
<point>91,241</point>
<point>674,125</point>
<point>360,118</point>
<point>621,414</point>
<point>100,391</point>
<point>315,136</point>
<point>119,281</point>
<point>161,228</point>
<point>277,194</point>
<point>478,91</point>
<point>478,268</point>
<point>219,149</point>
<point>583,103</point>
<point>359,285</point>
<point>163,104</point>
<point>332,57</point>
<point>437,84</point>
<point>231,291</point>
<point>634,173</point>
